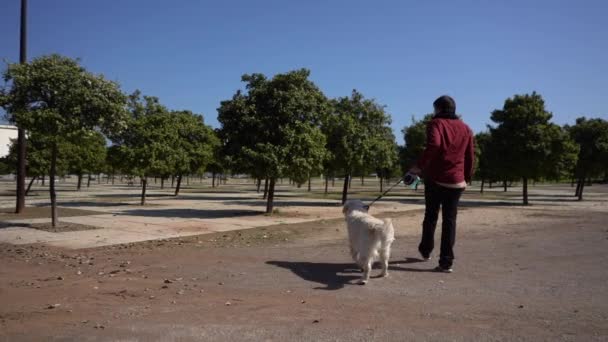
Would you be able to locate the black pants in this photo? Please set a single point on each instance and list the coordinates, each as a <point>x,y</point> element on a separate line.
<point>447,199</point>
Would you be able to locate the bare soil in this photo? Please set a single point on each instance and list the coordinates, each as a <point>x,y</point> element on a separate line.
<point>520,275</point>
<point>43,212</point>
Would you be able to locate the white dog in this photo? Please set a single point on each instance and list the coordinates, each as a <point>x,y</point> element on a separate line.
<point>370,238</point>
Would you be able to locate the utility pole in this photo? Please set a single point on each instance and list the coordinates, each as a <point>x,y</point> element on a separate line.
<point>21,132</point>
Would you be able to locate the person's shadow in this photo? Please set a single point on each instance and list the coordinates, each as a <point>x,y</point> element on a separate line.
<point>335,276</point>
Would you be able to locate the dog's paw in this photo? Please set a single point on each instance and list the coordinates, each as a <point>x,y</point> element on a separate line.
<point>362,282</point>
<point>384,275</point>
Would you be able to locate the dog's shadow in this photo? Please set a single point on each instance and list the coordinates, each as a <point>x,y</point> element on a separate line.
<point>335,276</point>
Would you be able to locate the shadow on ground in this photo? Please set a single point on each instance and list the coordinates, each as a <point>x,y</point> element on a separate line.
<point>335,276</point>
<point>192,213</point>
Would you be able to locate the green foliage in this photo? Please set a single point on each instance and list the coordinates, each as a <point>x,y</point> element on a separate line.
<point>591,135</point>
<point>414,136</point>
<point>5,167</point>
<point>356,130</point>
<point>38,162</point>
<point>526,144</point>
<point>86,153</point>
<point>56,99</point>
<point>160,142</point>
<point>195,143</point>
<point>272,131</point>
<point>55,96</point>
<point>484,158</point>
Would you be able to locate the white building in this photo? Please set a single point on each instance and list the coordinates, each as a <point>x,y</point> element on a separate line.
<point>6,134</point>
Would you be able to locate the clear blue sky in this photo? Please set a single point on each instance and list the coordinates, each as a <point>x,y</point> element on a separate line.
<point>191,54</point>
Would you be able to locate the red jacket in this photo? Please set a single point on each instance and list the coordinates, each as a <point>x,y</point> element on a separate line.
<point>449,153</point>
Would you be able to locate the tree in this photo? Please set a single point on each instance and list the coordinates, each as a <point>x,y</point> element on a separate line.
<point>529,145</point>
<point>483,158</point>
<point>86,154</point>
<point>273,130</point>
<point>353,128</point>
<point>38,157</point>
<point>56,97</point>
<point>414,137</point>
<point>194,146</point>
<point>114,161</point>
<point>148,144</point>
<point>591,135</point>
<point>383,154</point>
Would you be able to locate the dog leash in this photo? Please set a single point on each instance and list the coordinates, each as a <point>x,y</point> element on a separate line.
<point>386,192</point>
<point>413,181</point>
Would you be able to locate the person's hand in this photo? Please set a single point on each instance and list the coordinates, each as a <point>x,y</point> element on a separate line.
<point>415,170</point>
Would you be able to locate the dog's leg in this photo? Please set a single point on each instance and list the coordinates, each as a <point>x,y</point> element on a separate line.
<point>385,255</point>
<point>367,268</point>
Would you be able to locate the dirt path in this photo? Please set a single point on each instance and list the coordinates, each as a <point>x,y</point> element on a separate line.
<point>535,276</point>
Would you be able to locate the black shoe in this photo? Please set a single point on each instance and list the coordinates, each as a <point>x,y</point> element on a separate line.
<point>443,270</point>
<point>424,257</point>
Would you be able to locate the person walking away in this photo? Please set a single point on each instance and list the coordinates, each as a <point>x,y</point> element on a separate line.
<point>446,165</point>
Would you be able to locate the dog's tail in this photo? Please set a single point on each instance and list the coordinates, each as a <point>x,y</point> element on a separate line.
<point>389,229</point>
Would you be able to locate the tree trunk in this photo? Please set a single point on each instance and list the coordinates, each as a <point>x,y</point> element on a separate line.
<point>99,178</point>
<point>89,180</point>
<point>525,185</point>
<point>270,202</point>
<point>350,181</point>
<point>363,180</point>
<point>578,187</point>
<point>144,182</point>
<point>188,180</point>
<point>30,185</point>
<point>416,187</point>
<point>504,184</point>
<point>162,183</point>
<point>54,218</point>
<point>113,176</point>
<point>490,183</point>
<point>333,182</point>
<point>265,189</point>
<point>326,184</point>
<point>213,179</point>
<point>580,191</point>
<point>172,181</point>
<point>259,184</point>
<point>381,183</point>
<point>179,185</point>
<point>482,184</point>
<point>79,185</point>
<point>309,185</point>
<point>345,188</point>
<point>43,178</point>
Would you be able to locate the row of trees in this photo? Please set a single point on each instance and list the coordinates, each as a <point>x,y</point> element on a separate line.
<point>71,115</point>
<point>286,127</point>
<point>279,127</point>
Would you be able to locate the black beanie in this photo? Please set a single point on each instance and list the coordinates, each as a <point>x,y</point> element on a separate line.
<point>445,105</point>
